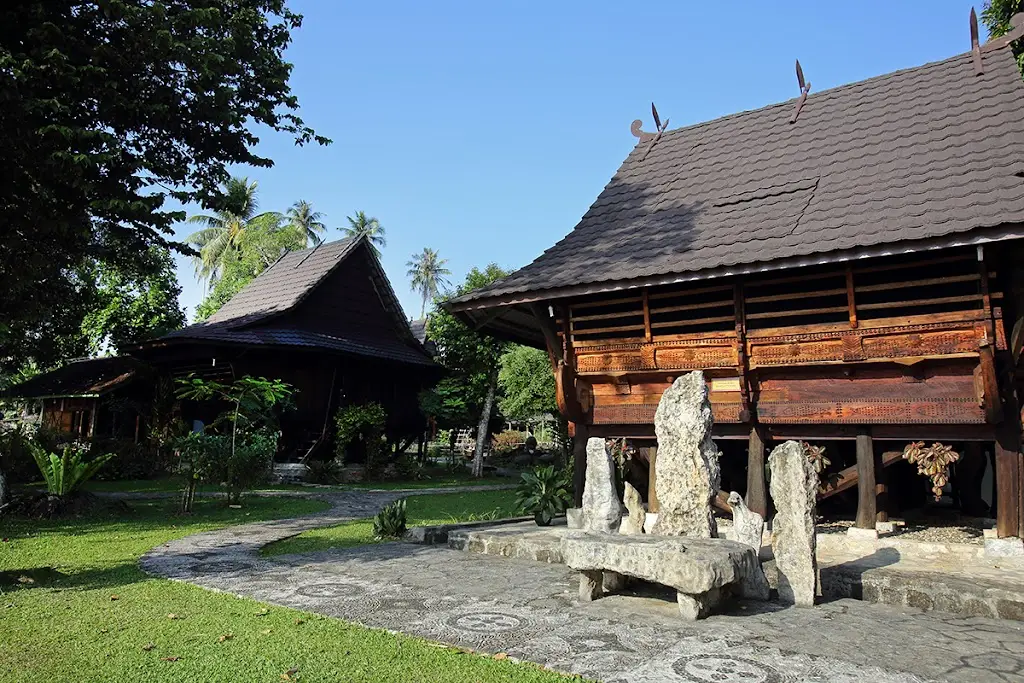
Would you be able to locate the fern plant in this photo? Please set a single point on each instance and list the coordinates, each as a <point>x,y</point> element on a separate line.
<point>390,522</point>
<point>65,474</point>
<point>543,493</point>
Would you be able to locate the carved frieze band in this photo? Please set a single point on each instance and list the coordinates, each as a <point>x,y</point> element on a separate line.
<point>943,411</point>
<point>643,413</point>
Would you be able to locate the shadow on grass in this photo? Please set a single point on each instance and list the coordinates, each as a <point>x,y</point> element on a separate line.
<point>114,576</point>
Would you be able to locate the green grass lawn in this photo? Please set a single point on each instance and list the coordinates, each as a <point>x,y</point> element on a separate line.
<point>162,485</point>
<point>444,508</point>
<point>74,606</point>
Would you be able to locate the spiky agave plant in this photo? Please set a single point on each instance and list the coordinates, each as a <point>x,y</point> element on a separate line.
<point>390,522</point>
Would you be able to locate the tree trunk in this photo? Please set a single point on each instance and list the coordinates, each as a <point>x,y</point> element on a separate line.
<point>3,489</point>
<point>481,432</point>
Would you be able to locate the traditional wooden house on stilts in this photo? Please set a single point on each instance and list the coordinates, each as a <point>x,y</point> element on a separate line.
<point>844,267</point>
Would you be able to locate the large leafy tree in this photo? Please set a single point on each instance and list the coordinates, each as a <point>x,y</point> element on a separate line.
<point>472,361</point>
<point>427,273</point>
<point>527,384</point>
<point>362,225</point>
<point>131,307</point>
<point>109,109</point>
<point>996,16</point>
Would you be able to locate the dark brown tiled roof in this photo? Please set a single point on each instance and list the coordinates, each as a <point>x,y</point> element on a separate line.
<point>254,315</point>
<point>924,153</point>
<point>89,377</point>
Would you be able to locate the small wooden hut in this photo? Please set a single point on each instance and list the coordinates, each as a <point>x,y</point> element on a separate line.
<point>844,266</point>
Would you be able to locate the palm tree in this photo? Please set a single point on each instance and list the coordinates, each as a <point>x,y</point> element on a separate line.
<point>427,275</point>
<point>306,222</point>
<point>223,230</point>
<point>369,226</point>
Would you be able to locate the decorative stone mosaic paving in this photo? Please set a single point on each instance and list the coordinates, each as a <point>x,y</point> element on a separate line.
<point>528,610</point>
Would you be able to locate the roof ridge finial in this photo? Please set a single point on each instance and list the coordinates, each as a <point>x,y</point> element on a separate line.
<point>805,87</point>
<point>976,45</point>
<point>637,129</point>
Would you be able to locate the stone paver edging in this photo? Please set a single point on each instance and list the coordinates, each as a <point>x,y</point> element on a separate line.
<point>528,610</point>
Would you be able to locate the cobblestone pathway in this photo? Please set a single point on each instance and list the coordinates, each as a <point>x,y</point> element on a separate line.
<point>528,609</point>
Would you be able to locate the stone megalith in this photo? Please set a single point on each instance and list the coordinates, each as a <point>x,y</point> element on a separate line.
<point>633,521</point>
<point>794,487</point>
<point>688,474</point>
<point>602,510</point>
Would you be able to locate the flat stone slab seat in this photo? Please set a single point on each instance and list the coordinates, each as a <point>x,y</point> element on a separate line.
<point>701,570</point>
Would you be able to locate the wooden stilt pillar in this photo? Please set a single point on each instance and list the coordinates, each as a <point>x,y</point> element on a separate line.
<point>757,496</point>
<point>652,476</point>
<point>579,462</point>
<point>1008,479</point>
<point>867,504</point>
<point>881,487</point>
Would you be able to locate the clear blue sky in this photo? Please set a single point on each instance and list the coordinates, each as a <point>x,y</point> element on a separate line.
<point>485,130</point>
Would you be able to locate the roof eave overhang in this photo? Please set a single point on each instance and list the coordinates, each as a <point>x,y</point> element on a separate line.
<point>476,307</point>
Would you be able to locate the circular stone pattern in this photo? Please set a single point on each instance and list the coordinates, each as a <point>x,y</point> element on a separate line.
<point>326,590</point>
<point>486,622</point>
<point>723,669</point>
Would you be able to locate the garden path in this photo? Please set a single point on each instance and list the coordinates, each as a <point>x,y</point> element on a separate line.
<point>529,611</point>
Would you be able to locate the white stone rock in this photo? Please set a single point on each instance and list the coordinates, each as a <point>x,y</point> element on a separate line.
<point>633,521</point>
<point>748,526</point>
<point>862,534</point>
<point>650,521</point>
<point>687,465</point>
<point>794,489</point>
<point>602,510</point>
<point>574,518</point>
<point>1004,547</point>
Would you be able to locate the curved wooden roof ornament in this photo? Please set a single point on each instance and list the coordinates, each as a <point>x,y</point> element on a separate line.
<point>1016,32</point>
<point>637,129</point>
<point>805,87</point>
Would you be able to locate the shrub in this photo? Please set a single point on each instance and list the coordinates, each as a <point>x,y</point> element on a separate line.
<point>209,457</point>
<point>323,471</point>
<point>16,459</point>
<point>363,424</point>
<point>131,460</point>
<point>390,521</point>
<point>543,492</point>
<point>65,474</point>
<point>507,441</point>
<point>408,468</point>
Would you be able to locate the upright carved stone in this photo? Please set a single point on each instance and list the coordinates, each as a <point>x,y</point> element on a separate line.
<point>748,527</point>
<point>602,510</point>
<point>688,473</point>
<point>633,521</point>
<point>747,524</point>
<point>794,487</point>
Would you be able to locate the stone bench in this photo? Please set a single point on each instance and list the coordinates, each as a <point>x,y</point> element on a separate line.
<point>702,571</point>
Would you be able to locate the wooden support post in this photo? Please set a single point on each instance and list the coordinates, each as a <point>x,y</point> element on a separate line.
<point>652,477</point>
<point>757,496</point>
<point>579,462</point>
<point>1008,479</point>
<point>851,302</point>
<point>881,487</point>
<point>866,494</point>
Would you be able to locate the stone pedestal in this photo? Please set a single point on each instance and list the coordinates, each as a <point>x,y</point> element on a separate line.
<point>688,475</point>
<point>794,488</point>
<point>590,585</point>
<point>694,607</point>
<point>574,518</point>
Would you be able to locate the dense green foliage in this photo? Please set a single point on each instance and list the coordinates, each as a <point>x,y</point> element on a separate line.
<point>427,273</point>
<point>65,474</point>
<point>360,425</point>
<point>130,307</point>
<point>996,16</point>
<point>390,522</point>
<point>238,448</point>
<point>109,109</point>
<point>527,384</point>
<point>543,493</point>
